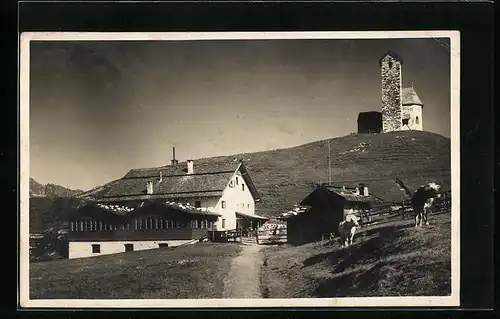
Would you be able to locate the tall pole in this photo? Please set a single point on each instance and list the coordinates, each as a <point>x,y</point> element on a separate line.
<point>329,165</point>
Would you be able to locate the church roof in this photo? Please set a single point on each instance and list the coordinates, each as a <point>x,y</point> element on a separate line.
<point>410,97</point>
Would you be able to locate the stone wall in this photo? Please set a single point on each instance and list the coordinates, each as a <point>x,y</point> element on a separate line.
<point>391,94</point>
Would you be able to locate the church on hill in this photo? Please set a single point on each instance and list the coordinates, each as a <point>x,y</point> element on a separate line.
<point>401,106</point>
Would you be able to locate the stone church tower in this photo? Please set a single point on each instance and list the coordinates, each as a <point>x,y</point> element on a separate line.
<point>401,107</point>
<point>390,66</point>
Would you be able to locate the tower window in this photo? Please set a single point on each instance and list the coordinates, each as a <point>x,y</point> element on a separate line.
<point>406,121</point>
<point>417,120</point>
<point>390,64</point>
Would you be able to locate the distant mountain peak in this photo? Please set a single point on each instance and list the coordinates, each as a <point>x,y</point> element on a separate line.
<point>50,190</point>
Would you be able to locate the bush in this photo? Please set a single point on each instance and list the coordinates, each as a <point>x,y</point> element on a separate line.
<point>53,245</point>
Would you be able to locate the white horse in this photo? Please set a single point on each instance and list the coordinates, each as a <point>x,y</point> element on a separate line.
<point>347,229</point>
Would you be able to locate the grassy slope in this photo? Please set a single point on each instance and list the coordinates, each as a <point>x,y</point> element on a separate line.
<point>195,271</point>
<point>387,260</point>
<point>285,176</point>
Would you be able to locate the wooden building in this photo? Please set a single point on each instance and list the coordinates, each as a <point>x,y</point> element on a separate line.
<point>219,193</point>
<point>100,229</point>
<point>321,212</point>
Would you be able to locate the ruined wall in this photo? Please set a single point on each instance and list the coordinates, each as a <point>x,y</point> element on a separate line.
<point>391,94</point>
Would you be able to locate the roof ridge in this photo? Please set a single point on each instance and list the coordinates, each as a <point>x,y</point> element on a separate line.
<point>179,175</point>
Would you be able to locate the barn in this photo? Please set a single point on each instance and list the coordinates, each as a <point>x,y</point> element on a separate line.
<point>321,211</point>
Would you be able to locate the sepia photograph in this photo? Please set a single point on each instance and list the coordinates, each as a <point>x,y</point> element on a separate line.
<point>252,169</point>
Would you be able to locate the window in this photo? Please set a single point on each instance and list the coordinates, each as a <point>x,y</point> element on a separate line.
<point>223,204</point>
<point>236,180</point>
<point>129,247</point>
<point>231,184</point>
<point>223,223</point>
<point>406,121</point>
<point>243,187</point>
<point>416,120</point>
<point>163,245</point>
<point>194,224</point>
<point>169,224</point>
<point>204,224</point>
<point>248,206</point>
<point>96,249</point>
<point>390,64</point>
<point>197,204</point>
<point>178,224</point>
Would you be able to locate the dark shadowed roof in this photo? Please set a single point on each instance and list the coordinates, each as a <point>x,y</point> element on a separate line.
<point>374,115</point>
<point>200,167</point>
<point>410,97</point>
<point>347,194</point>
<point>208,179</point>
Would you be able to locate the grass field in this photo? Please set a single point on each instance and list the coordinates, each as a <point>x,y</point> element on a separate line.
<point>194,271</point>
<point>394,259</point>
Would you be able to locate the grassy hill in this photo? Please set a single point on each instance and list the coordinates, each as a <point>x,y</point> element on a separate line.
<point>285,176</point>
<point>393,259</point>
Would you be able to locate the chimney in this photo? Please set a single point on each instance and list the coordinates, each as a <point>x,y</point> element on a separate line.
<point>365,191</point>
<point>174,161</point>
<point>190,167</point>
<point>161,177</point>
<point>361,189</point>
<point>343,190</point>
<point>149,187</point>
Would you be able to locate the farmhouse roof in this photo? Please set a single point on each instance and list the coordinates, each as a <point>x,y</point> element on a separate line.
<point>209,179</point>
<point>124,210</point>
<point>251,215</point>
<point>410,97</point>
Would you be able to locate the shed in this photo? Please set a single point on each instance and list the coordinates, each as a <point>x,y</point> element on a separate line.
<point>369,122</point>
<point>321,212</point>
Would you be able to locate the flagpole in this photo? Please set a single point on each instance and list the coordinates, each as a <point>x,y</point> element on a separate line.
<point>329,165</point>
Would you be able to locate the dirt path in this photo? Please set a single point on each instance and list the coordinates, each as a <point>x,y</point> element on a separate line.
<point>243,280</point>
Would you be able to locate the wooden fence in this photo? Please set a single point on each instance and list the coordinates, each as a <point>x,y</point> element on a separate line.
<point>387,212</point>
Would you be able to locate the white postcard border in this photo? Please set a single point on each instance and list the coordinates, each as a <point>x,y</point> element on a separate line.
<point>431,301</point>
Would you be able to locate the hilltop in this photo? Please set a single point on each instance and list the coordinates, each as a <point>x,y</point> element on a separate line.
<point>285,176</point>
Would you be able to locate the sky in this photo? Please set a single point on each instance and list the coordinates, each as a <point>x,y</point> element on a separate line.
<point>100,108</point>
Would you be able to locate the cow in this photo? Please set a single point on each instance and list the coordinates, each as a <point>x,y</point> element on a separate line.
<point>347,229</point>
<point>422,200</point>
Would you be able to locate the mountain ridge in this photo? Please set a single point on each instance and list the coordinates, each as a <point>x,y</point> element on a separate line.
<point>50,190</point>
